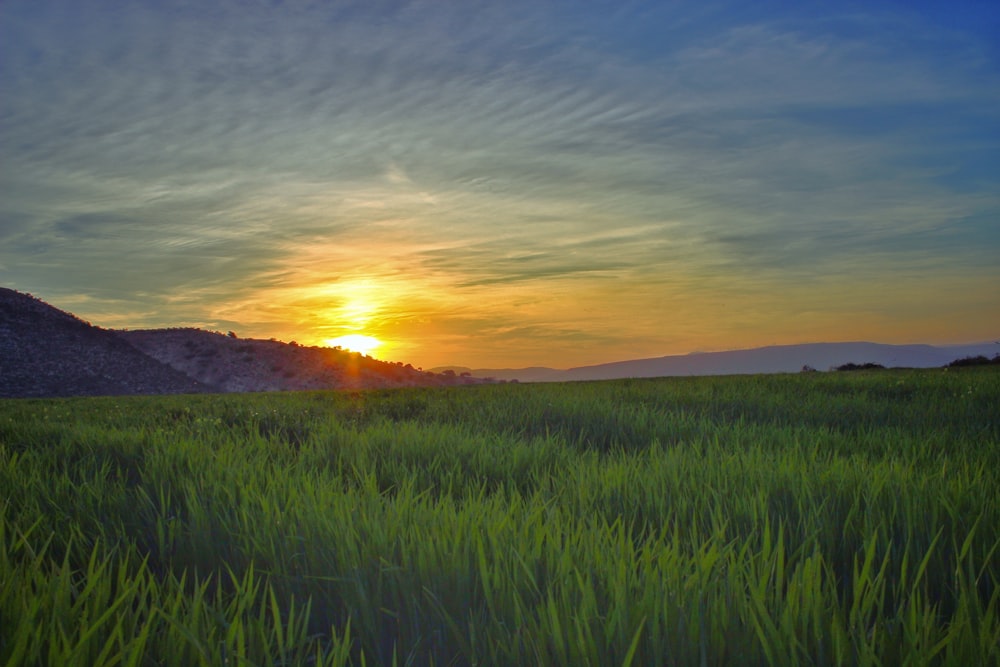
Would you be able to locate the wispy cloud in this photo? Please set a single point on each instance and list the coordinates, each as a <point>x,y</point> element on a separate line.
<point>192,163</point>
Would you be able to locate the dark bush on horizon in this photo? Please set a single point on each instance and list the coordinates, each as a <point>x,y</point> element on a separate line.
<point>981,360</point>
<point>859,367</point>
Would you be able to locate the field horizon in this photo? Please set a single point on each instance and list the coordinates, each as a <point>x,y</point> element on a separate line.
<point>45,351</point>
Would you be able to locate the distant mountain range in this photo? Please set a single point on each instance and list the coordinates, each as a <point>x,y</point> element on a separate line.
<point>772,359</point>
<point>47,352</point>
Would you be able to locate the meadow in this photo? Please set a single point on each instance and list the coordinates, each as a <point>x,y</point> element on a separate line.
<point>814,519</point>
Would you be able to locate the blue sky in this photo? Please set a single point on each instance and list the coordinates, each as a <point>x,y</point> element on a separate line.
<point>504,184</point>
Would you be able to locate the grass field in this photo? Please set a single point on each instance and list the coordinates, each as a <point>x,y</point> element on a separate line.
<point>817,519</point>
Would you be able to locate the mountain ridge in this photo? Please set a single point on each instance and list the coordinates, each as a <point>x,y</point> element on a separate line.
<point>768,359</point>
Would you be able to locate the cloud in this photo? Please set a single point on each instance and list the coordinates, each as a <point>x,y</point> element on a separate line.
<point>486,150</point>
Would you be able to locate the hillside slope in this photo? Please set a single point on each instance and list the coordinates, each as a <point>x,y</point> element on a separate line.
<point>238,364</point>
<point>47,352</point>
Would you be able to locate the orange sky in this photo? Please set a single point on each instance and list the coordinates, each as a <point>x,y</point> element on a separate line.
<point>564,322</point>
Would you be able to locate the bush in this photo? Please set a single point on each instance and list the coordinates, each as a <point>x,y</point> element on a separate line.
<point>859,367</point>
<point>980,360</point>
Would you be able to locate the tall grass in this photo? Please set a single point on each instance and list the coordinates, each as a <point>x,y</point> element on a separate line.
<point>824,519</point>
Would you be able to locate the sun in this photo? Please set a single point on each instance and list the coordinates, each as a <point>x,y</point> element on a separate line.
<point>354,343</point>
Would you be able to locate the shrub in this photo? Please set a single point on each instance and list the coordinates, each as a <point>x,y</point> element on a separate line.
<point>981,360</point>
<point>859,367</point>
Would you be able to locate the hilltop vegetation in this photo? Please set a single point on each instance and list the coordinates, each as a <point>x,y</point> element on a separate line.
<point>821,518</point>
<point>235,364</point>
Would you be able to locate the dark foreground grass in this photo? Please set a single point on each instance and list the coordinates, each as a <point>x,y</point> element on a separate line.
<point>817,519</point>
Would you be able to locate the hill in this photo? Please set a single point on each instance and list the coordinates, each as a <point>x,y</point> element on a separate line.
<point>47,352</point>
<point>238,364</point>
<point>772,359</point>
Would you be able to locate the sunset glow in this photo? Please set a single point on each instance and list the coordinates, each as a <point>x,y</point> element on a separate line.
<point>502,185</point>
<point>355,343</point>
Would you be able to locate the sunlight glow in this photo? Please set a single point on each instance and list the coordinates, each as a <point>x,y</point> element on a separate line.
<point>354,343</point>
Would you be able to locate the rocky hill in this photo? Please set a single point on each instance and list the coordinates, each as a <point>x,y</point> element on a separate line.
<point>47,352</point>
<point>238,364</point>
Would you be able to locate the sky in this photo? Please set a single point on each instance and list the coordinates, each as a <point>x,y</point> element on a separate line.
<point>507,184</point>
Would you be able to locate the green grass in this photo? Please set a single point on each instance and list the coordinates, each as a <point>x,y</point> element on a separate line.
<point>817,519</point>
